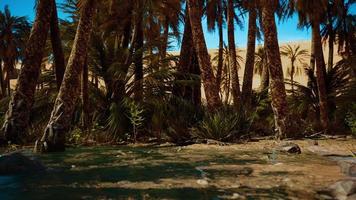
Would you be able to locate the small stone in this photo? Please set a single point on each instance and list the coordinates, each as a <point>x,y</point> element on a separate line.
<point>246,171</point>
<point>352,197</point>
<point>348,167</point>
<point>286,180</point>
<point>233,196</point>
<point>325,197</point>
<point>289,147</point>
<point>323,151</point>
<point>203,182</point>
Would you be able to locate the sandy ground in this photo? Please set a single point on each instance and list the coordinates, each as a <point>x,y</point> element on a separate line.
<point>252,170</point>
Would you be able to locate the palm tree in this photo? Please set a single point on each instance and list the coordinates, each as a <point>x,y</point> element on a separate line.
<point>139,44</point>
<point>207,75</point>
<point>277,87</point>
<point>344,27</point>
<point>57,47</point>
<point>188,65</point>
<point>250,52</point>
<point>13,32</point>
<point>215,19</point>
<point>261,68</point>
<point>59,123</point>
<point>236,93</point>
<point>149,19</point>
<point>296,55</point>
<point>85,96</point>
<point>308,14</point>
<point>226,85</point>
<point>168,13</point>
<point>18,115</point>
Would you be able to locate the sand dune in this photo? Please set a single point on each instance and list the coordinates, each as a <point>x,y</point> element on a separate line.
<point>301,78</point>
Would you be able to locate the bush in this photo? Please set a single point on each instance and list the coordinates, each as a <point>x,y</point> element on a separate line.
<point>351,119</point>
<point>225,125</point>
<point>171,118</point>
<point>181,117</point>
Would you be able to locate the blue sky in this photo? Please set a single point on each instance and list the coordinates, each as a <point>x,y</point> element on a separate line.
<point>287,30</point>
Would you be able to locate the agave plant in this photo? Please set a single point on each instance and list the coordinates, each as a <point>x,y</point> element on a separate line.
<point>225,125</point>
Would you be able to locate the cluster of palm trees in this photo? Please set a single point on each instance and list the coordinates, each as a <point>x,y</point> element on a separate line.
<point>13,33</point>
<point>122,46</point>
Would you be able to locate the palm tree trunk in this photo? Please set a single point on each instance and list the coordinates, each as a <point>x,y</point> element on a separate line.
<point>264,84</point>
<point>8,83</point>
<point>331,52</point>
<point>292,77</point>
<point>18,115</point>
<point>138,57</point>
<point>57,47</point>
<point>250,58</point>
<point>60,121</point>
<point>209,82</point>
<point>2,85</point>
<point>85,96</point>
<point>7,70</point>
<point>277,87</point>
<point>236,93</point>
<point>320,76</point>
<point>312,54</point>
<point>221,45</point>
<point>165,37</point>
<point>188,64</point>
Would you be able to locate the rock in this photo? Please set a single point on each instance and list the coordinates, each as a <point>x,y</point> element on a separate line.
<point>289,147</point>
<point>246,171</point>
<point>210,142</point>
<point>322,151</point>
<point>15,163</point>
<point>233,196</point>
<point>352,197</point>
<point>342,190</point>
<point>348,167</point>
<point>203,182</point>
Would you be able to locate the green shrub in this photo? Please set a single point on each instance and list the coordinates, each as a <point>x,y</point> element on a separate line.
<point>226,125</point>
<point>181,117</point>
<point>136,116</point>
<point>351,119</point>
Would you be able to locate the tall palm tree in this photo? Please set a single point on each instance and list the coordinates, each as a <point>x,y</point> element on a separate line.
<point>215,19</point>
<point>345,28</point>
<point>59,123</point>
<point>226,84</point>
<point>18,115</point>
<point>57,47</point>
<point>250,52</point>
<point>85,95</point>
<point>139,44</point>
<point>308,13</point>
<point>207,75</point>
<point>12,41</point>
<point>188,63</point>
<point>277,87</point>
<point>168,13</point>
<point>296,55</point>
<point>261,68</point>
<point>236,93</point>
